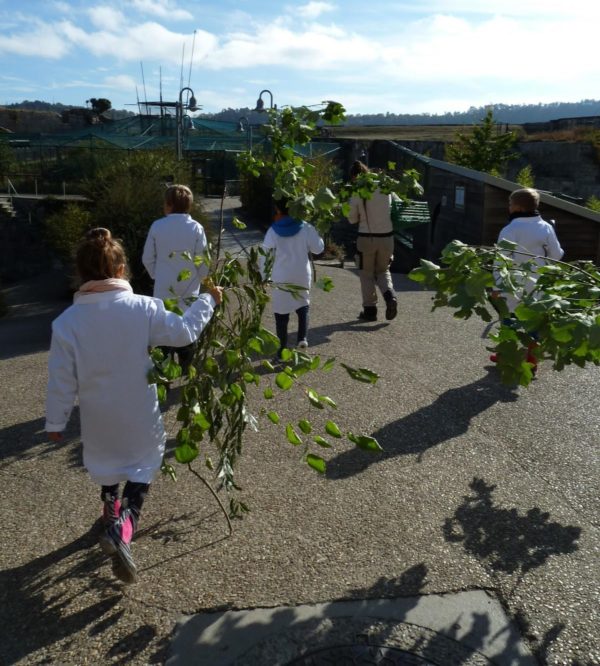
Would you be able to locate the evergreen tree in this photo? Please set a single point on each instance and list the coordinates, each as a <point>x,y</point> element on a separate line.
<point>485,149</point>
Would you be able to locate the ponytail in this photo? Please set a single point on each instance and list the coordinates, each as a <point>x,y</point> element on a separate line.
<point>100,256</point>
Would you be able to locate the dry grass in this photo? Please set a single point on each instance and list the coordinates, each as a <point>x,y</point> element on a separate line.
<point>444,133</point>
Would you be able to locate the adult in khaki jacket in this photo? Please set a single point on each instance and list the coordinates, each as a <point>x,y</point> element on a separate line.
<point>375,248</point>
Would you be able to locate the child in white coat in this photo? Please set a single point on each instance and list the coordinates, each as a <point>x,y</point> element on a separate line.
<point>169,238</point>
<point>292,241</point>
<point>99,353</point>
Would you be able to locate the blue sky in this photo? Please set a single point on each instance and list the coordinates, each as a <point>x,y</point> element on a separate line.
<point>372,56</point>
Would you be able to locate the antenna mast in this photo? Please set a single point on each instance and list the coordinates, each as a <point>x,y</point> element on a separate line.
<point>144,82</point>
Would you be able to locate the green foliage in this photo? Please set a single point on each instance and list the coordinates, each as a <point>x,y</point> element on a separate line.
<point>558,320</point>
<point>593,203</point>
<point>128,195</point>
<point>485,149</point>
<point>64,229</point>
<point>230,360</point>
<point>525,177</point>
<point>99,105</point>
<point>7,159</point>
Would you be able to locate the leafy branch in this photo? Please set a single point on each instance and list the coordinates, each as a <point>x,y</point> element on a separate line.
<point>557,317</point>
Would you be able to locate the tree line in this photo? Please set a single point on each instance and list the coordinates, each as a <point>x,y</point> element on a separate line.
<point>515,114</point>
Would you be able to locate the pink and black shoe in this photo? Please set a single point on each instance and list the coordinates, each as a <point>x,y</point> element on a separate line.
<point>116,541</point>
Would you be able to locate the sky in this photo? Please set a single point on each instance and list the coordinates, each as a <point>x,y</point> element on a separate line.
<point>401,56</point>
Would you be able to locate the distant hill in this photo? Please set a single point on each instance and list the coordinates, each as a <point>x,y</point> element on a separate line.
<point>513,114</point>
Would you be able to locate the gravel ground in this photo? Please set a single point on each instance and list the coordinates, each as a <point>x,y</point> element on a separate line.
<point>479,487</point>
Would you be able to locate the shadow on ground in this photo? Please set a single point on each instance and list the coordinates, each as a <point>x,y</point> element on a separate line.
<point>447,417</point>
<point>29,440</point>
<point>71,591</point>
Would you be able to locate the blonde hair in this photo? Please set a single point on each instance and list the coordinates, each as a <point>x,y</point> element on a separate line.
<point>525,199</point>
<point>100,256</point>
<point>179,198</point>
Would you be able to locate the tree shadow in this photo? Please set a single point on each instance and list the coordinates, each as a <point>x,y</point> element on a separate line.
<point>447,417</point>
<point>504,540</point>
<point>47,600</point>
<point>378,624</point>
<point>22,441</point>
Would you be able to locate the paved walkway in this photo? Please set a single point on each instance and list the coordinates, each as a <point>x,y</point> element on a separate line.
<point>480,490</point>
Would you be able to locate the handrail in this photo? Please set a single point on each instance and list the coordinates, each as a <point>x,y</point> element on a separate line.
<point>10,186</point>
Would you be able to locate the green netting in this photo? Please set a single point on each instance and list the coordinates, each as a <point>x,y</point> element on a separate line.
<point>151,133</point>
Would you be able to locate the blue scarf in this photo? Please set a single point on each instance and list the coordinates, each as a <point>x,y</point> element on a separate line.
<point>287,226</point>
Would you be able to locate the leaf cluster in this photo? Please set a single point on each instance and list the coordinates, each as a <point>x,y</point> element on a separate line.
<point>558,315</point>
<point>232,360</point>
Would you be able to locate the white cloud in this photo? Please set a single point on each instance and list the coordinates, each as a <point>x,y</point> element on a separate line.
<point>120,82</point>
<point>277,45</point>
<point>43,41</point>
<point>313,10</point>
<point>163,9</point>
<point>107,18</point>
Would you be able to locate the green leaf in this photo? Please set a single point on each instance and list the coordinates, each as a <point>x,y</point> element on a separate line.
<point>268,365</point>
<point>361,374</point>
<point>184,275</point>
<point>237,391</point>
<point>305,426</point>
<point>328,401</point>
<point>201,420</point>
<point>161,390</point>
<point>292,435</point>
<point>268,393</point>
<point>325,283</point>
<point>328,365</point>
<point>237,223</point>
<point>284,381</point>
<point>316,462</point>
<point>322,442</point>
<point>314,399</point>
<point>273,417</point>
<point>185,453</point>
<point>365,442</point>
<point>332,429</point>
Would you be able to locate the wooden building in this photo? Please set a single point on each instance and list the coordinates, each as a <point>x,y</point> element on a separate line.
<point>472,206</point>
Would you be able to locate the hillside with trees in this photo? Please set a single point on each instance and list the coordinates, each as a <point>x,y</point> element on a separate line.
<point>513,114</point>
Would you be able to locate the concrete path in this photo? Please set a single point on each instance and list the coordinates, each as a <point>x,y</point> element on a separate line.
<point>481,490</point>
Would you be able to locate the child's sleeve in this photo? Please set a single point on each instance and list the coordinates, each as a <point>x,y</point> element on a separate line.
<point>554,249</point>
<point>315,242</point>
<point>62,384</point>
<point>149,254</point>
<point>173,330</point>
<point>200,248</point>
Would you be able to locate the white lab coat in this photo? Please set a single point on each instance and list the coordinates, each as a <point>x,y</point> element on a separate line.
<point>99,352</point>
<point>167,239</point>
<point>535,236</point>
<point>292,265</point>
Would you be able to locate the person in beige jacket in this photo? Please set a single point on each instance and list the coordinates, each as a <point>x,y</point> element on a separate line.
<point>375,248</point>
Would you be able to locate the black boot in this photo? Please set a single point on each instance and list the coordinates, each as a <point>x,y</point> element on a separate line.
<point>391,305</point>
<point>369,313</point>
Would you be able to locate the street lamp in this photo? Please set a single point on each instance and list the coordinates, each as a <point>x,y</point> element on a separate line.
<point>245,126</point>
<point>191,105</point>
<point>260,104</point>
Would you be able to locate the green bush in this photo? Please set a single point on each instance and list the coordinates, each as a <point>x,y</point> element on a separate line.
<point>64,228</point>
<point>127,196</point>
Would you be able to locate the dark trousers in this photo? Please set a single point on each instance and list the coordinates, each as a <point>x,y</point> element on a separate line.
<point>282,321</point>
<point>134,495</point>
